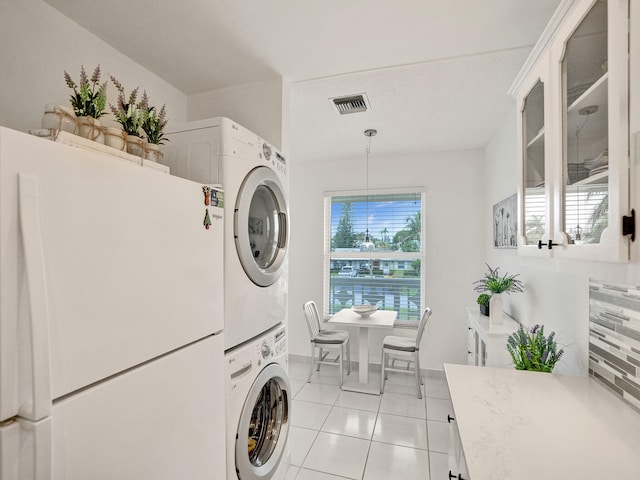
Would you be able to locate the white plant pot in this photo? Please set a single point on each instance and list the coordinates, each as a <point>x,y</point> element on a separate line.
<point>57,117</point>
<point>152,152</point>
<point>115,138</point>
<point>495,309</point>
<point>89,127</point>
<point>135,146</point>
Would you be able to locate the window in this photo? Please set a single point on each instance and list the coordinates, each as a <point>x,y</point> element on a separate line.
<point>392,275</point>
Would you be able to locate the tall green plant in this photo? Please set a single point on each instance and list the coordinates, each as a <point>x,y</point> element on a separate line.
<point>154,121</point>
<point>495,283</point>
<point>90,96</point>
<point>531,350</point>
<point>128,113</point>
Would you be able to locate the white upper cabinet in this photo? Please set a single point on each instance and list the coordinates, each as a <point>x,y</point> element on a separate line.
<point>573,128</point>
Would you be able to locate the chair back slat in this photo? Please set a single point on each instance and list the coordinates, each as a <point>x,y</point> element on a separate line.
<point>422,325</point>
<point>313,318</point>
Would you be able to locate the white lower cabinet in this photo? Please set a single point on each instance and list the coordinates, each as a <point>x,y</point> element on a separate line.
<point>457,464</point>
<point>487,343</point>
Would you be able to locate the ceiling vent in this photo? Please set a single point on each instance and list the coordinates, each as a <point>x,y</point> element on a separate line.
<point>350,104</point>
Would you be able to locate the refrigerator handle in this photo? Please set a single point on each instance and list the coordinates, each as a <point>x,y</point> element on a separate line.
<point>38,306</point>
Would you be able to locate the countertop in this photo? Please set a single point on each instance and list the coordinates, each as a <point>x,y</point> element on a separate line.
<point>530,425</point>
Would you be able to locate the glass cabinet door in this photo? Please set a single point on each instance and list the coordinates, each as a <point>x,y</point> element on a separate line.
<point>585,170</point>
<point>533,171</point>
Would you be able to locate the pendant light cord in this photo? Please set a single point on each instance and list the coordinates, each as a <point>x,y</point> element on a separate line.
<point>368,150</point>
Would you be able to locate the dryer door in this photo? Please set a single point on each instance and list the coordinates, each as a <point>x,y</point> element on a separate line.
<point>261,227</point>
<point>264,425</point>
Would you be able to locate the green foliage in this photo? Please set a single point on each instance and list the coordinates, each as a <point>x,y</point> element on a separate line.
<point>153,125</point>
<point>345,236</point>
<point>128,113</point>
<point>495,283</point>
<point>89,97</point>
<point>531,350</point>
<point>483,299</point>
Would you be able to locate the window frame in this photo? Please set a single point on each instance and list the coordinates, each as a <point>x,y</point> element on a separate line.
<point>328,255</point>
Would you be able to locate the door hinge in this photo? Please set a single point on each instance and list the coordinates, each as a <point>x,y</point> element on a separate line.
<point>629,225</point>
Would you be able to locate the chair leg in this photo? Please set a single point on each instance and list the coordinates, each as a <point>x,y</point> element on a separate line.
<point>419,368</point>
<point>341,365</point>
<point>320,358</point>
<point>313,356</point>
<point>348,358</point>
<point>417,372</point>
<point>382,372</point>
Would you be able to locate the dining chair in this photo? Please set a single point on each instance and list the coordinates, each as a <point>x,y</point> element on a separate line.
<point>326,339</point>
<point>404,348</point>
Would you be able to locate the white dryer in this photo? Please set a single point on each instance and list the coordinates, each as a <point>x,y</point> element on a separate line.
<point>255,179</point>
<point>258,408</point>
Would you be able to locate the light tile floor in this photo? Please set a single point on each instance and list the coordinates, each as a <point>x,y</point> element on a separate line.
<point>337,434</point>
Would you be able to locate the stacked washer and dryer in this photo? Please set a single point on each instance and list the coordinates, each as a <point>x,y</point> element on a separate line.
<point>254,174</point>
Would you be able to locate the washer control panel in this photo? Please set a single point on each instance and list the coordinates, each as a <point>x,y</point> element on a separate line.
<point>272,345</point>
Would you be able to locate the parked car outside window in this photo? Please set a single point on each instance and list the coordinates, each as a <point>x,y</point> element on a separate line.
<point>347,271</point>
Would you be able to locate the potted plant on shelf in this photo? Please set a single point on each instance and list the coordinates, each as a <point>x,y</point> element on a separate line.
<point>495,284</point>
<point>153,126</point>
<point>130,115</point>
<point>531,350</point>
<point>89,100</point>
<point>483,301</point>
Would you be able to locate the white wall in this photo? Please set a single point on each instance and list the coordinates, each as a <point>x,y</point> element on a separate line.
<point>257,106</point>
<point>454,232</point>
<point>39,43</point>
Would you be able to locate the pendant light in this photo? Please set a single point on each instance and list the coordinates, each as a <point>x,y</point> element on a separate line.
<point>368,245</point>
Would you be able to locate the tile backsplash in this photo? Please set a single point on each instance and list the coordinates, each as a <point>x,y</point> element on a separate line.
<point>614,338</point>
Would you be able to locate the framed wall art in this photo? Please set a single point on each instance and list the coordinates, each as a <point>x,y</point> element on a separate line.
<point>505,223</point>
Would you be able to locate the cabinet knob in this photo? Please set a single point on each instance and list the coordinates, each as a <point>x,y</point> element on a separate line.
<point>452,476</point>
<point>450,418</point>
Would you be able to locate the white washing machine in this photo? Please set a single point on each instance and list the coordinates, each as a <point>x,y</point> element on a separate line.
<point>255,179</point>
<point>258,406</point>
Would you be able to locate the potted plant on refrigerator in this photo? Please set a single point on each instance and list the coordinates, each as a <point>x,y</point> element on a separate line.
<point>153,126</point>
<point>89,100</point>
<point>131,116</point>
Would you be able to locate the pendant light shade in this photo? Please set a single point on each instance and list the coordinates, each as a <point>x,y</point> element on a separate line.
<point>367,245</point>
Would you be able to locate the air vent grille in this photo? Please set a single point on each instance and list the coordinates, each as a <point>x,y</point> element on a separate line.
<point>350,104</point>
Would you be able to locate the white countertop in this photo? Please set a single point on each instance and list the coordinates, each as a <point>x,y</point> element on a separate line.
<point>531,425</point>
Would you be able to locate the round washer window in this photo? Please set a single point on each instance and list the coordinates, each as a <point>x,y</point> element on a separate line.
<point>267,421</point>
<point>263,226</point>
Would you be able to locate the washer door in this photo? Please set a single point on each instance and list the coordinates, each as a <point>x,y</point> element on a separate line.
<point>264,425</point>
<point>261,227</point>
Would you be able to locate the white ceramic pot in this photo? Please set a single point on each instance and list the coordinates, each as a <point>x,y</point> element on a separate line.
<point>152,152</point>
<point>135,146</point>
<point>57,117</point>
<point>115,138</point>
<point>495,309</point>
<point>89,127</point>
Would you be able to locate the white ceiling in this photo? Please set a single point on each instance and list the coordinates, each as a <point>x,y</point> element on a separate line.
<point>436,71</point>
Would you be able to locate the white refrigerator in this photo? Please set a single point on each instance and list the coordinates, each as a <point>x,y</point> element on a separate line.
<point>111,319</point>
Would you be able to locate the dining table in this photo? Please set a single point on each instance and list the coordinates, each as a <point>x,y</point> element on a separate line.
<point>381,319</point>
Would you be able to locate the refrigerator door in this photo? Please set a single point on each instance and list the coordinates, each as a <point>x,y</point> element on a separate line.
<point>130,271</point>
<point>162,420</point>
